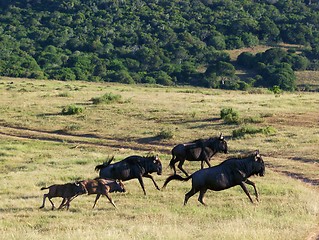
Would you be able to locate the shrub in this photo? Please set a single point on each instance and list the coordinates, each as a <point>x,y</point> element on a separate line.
<point>165,134</point>
<point>229,115</point>
<point>72,109</point>
<point>107,98</point>
<point>268,130</point>
<point>276,89</point>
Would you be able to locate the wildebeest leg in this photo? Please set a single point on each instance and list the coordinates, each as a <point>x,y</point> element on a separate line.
<point>110,199</point>
<point>180,166</point>
<point>140,179</point>
<point>189,194</point>
<point>201,196</point>
<point>246,191</point>
<point>97,198</point>
<point>151,177</point>
<point>253,184</point>
<point>44,197</point>
<point>172,163</point>
<point>51,203</point>
<point>62,203</point>
<point>206,161</point>
<point>66,201</point>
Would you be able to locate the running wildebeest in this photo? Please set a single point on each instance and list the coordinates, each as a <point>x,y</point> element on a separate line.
<point>131,167</point>
<point>230,173</point>
<point>101,186</point>
<point>67,191</point>
<point>198,150</point>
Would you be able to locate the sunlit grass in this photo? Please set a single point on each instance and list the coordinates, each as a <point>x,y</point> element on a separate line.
<point>57,153</point>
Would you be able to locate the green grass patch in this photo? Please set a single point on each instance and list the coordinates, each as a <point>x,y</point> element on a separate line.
<point>250,130</point>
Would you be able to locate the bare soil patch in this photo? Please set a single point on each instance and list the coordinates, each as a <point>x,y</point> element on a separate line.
<point>304,120</point>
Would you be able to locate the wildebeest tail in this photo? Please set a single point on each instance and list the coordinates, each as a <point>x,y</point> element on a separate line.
<point>176,177</point>
<point>104,165</point>
<point>44,188</point>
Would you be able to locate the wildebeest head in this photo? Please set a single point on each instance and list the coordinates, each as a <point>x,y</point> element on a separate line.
<point>219,144</point>
<point>157,165</point>
<point>80,188</point>
<point>259,164</point>
<point>119,186</point>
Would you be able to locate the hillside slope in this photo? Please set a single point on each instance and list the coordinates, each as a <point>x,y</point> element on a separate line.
<point>164,42</point>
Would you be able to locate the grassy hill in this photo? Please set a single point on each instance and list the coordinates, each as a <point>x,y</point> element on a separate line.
<point>41,146</point>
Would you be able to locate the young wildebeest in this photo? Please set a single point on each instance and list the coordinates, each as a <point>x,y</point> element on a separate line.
<point>100,186</point>
<point>231,172</point>
<point>131,167</point>
<point>198,150</point>
<point>67,191</point>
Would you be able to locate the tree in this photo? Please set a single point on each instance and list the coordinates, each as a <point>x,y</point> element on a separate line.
<point>246,59</point>
<point>162,78</point>
<point>269,31</point>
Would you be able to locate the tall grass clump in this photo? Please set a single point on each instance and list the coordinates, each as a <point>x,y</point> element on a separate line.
<point>72,109</point>
<point>107,98</point>
<point>229,115</point>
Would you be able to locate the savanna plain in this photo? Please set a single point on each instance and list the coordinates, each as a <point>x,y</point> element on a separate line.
<point>41,145</point>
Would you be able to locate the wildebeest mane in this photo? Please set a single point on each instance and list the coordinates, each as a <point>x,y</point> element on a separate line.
<point>242,156</point>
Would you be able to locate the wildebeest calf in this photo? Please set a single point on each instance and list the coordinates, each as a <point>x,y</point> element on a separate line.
<point>67,191</point>
<point>100,186</point>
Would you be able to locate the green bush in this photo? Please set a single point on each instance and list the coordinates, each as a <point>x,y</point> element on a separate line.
<point>229,115</point>
<point>72,109</point>
<point>107,98</point>
<point>276,89</point>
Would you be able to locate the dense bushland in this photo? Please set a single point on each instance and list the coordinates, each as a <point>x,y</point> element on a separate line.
<point>164,42</point>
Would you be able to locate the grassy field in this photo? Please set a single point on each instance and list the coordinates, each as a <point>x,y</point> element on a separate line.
<point>40,146</point>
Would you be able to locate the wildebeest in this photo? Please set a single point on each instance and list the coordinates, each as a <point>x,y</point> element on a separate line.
<point>101,186</point>
<point>198,150</point>
<point>67,191</point>
<point>231,172</point>
<point>131,167</point>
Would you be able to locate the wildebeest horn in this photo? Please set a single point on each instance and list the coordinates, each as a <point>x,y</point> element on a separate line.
<point>257,155</point>
<point>221,136</point>
<point>77,184</point>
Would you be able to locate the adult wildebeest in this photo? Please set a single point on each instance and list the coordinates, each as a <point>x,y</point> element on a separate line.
<point>67,191</point>
<point>231,172</point>
<point>131,167</point>
<point>101,186</point>
<point>198,150</point>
